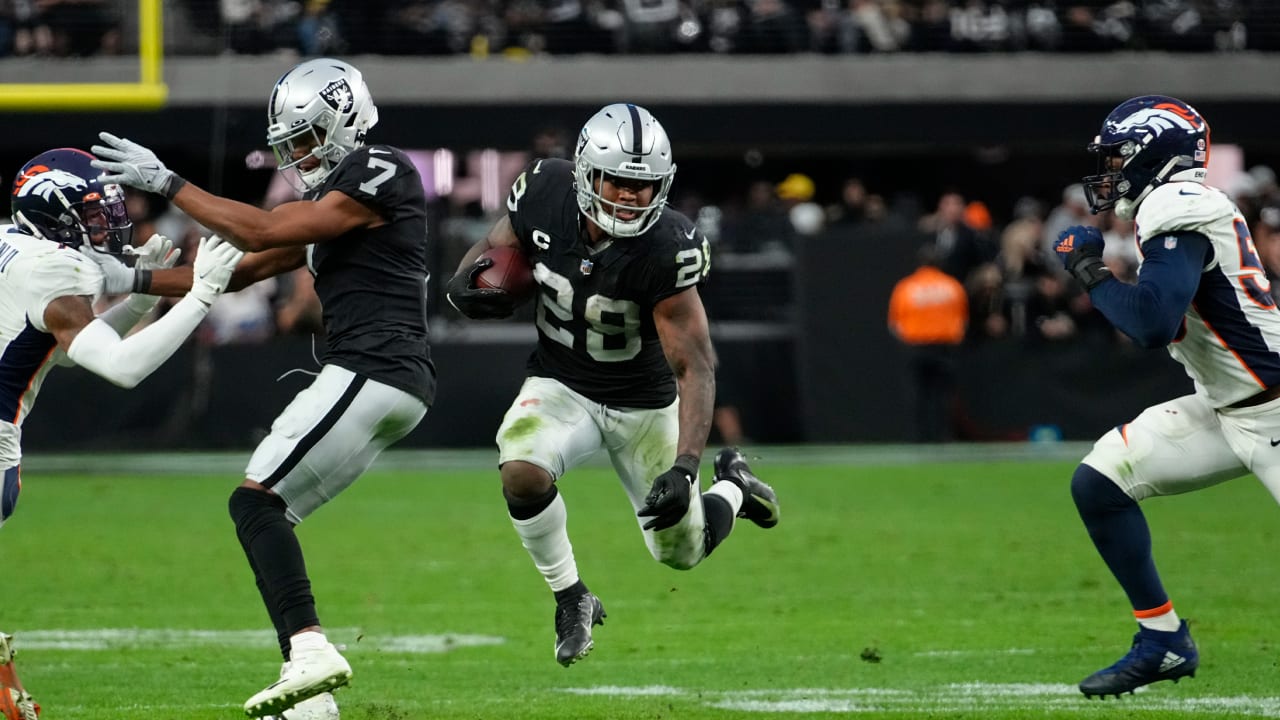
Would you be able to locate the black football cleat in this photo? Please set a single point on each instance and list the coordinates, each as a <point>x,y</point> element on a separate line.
<point>574,620</point>
<point>759,501</point>
<point>1155,656</point>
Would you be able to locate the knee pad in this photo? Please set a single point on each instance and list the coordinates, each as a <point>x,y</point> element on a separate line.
<point>10,486</point>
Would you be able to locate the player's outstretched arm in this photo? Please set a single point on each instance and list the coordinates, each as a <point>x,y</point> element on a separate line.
<point>253,268</point>
<point>95,345</point>
<point>247,227</point>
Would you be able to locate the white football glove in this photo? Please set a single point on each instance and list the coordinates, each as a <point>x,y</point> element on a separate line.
<point>117,278</point>
<point>211,273</point>
<point>128,163</point>
<point>158,253</point>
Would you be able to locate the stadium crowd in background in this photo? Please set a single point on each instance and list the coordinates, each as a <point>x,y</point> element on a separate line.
<point>522,27</point>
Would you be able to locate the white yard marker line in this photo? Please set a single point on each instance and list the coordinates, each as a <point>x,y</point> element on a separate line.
<point>111,638</point>
<point>1025,698</point>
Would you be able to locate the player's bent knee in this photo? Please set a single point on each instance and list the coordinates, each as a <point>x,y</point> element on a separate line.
<point>1093,491</point>
<point>525,481</point>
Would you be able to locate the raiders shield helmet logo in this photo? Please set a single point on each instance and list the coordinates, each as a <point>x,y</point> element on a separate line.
<point>338,95</point>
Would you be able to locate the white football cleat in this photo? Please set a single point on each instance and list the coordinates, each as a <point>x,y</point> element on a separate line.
<point>315,666</point>
<point>320,707</point>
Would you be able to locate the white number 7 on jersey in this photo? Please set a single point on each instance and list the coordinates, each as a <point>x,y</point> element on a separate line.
<point>371,185</point>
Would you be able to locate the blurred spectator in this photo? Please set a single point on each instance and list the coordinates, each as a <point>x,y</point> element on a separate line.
<point>651,26</point>
<point>959,249</point>
<point>928,313</point>
<point>762,226</point>
<point>253,27</point>
<point>852,208</point>
<point>1121,250</point>
<point>796,193</point>
<point>772,27</point>
<point>81,27</point>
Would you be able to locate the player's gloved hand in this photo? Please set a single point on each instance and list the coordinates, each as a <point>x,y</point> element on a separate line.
<point>158,253</point>
<point>668,499</point>
<point>1080,249</point>
<point>211,272</point>
<point>117,278</point>
<point>128,163</point>
<point>478,303</point>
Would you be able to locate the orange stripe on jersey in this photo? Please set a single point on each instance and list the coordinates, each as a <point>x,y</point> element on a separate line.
<point>1124,433</point>
<point>1154,612</point>
<point>17,413</point>
<point>1229,349</point>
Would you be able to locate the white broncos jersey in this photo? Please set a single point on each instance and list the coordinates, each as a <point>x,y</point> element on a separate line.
<point>1230,337</point>
<point>33,272</point>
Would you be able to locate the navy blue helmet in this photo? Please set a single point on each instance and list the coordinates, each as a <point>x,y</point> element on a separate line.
<point>57,196</point>
<point>1146,142</point>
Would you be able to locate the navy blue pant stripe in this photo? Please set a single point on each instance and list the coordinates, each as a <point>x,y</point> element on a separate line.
<point>309,440</point>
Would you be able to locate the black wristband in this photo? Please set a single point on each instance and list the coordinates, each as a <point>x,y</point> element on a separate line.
<point>687,463</point>
<point>142,281</point>
<point>1089,270</point>
<point>174,185</point>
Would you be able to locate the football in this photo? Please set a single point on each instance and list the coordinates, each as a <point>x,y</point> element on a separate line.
<point>510,271</point>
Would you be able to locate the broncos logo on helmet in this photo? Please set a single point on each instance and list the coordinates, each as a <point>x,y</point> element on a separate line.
<point>1146,142</point>
<point>57,196</point>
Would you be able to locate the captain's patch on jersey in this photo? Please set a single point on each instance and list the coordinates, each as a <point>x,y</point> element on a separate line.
<point>1171,242</point>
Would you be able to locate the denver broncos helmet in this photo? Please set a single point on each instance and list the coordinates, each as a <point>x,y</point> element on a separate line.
<point>323,107</point>
<point>57,196</point>
<point>625,141</point>
<point>1146,142</point>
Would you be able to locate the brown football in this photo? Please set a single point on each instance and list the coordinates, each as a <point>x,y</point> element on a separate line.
<point>510,271</point>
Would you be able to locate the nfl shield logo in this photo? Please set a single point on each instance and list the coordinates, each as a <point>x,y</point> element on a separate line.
<point>1171,242</point>
<point>586,267</point>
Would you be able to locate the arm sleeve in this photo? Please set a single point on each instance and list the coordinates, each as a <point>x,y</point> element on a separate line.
<point>1151,311</point>
<point>125,314</point>
<point>99,349</point>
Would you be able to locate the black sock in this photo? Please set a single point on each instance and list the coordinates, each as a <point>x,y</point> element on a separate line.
<point>1119,531</point>
<point>718,514</point>
<point>269,541</point>
<point>573,592</point>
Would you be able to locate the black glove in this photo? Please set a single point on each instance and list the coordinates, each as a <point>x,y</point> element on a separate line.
<point>478,303</point>
<point>668,499</point>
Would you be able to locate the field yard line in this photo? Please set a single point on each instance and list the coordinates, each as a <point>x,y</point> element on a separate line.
<point>1028,698</point>
<point>427,461</point>
<point>111,638</point>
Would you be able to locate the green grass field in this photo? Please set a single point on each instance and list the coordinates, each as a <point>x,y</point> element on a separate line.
<point>949,590</point>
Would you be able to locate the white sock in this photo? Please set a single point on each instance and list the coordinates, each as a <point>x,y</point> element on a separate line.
<point>1166,621</point>
<point>546,537</point>
<point>308,640</point>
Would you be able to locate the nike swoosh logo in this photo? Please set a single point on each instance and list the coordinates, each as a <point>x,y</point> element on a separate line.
<point>1180,192</point>
<point>376,151</point>
<point>691,233</point>
<point>1274,442</point>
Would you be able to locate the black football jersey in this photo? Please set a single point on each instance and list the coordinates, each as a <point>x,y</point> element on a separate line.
<point>595,305</point>
<point>372,281</point>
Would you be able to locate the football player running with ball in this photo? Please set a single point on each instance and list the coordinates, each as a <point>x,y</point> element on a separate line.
<point>361,229</point>
<point>68,228</point>
<point>623,362</point>
<point>1203,292</point>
